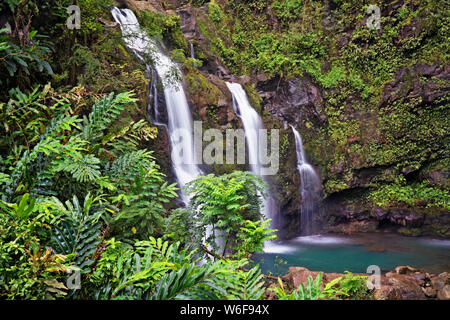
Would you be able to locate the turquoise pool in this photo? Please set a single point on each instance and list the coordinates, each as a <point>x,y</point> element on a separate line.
<point>337,253</point>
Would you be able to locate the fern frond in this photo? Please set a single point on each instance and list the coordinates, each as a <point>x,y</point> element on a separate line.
<point>79,231</point>
<point>246,285</point>
<point>83,168</point>
<point>129,165</point>
<point>103,113</point>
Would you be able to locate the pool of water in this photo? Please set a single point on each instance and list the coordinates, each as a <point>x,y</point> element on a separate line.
<point>338,253</point>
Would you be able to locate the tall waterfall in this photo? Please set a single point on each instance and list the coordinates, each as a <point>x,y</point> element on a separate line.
<point>309,188</point>
<point>180,128</point>
<point>252,124</point>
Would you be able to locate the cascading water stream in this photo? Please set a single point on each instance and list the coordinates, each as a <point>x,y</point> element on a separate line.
<point>309,188</point>
<point>191,46</point>
<point>179,127</point>
<point>252,124</point>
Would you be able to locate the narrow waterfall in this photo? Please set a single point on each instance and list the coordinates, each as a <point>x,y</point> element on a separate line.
<point>309,188</point>
<point>191,46</point>
<point>179,127</point>
<point>252,124</point>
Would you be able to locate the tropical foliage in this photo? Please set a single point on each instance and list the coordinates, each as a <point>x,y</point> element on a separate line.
<point>82,197</point>
<point>350,287</point>
<point>229,203</point>
<point>86,210</point>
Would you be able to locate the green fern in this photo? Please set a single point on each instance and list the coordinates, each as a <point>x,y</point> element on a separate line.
<point>50,143</point>
<point>311,291</point>
<point>128,165</point>
<point>84,168</point>
<point>142,210</point>
<point>79,232</point>
<point>221,279</point>
<point>189,282</point>
<point>127,139</point>
<point>103,112</point>
<point>246,285</point>
<point>124,272</point>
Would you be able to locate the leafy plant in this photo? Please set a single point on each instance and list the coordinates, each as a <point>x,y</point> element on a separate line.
<point>252,237</point>
<point>14,57</point>
<point>27,271</point>
<point>286,10</point>
<point>126,271</point>
<point>312,291</point>
<point>215,12</point>
<point>103,112</point>
<point>414,194</point>
<point>350,286</point>
<point>155,269</point>
<point>79,233</point>
<point>225,202</point>
<point>216,280</point>
<point>143,206</point>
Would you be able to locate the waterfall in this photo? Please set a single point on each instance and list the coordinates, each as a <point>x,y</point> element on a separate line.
<point>191,45</point>
<point>309,187</point>
<point>252,124</point>
<point>179,126</point>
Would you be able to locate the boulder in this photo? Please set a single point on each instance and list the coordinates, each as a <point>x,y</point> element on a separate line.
<point>298,275</point>
<point>429,292</point>
<point>406,217</point>
<point>261,77</point>
<point>408,285</point>
<point>444,293</point>
<point>388,292</point>
<point>379,213</point>
<point>444,275</point>
<point>150,5</point>
<point>244,79</point>
<point>438,283</point>
<point>405,270</point>
<point>420,277</point>
<point>437,178</point>
<point>188,22</point>
<point>296,100</point>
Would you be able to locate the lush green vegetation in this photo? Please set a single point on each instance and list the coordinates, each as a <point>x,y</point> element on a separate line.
<point>391,195</point>
<point>83,190</point>
<point>350,287</point>
<point>81,194</point>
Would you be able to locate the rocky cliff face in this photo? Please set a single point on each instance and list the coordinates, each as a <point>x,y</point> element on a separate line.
<point>371,105</point>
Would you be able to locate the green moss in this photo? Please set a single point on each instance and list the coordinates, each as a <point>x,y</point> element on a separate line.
<point>91,10</point>
<point>418,194</point>
<point>332,186</point>
<point>441,230</point>
<point>198,85</point>
<point>161,26</point>
<point>215,12</point>
<point>253,97</point>
<point>412,232</point>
